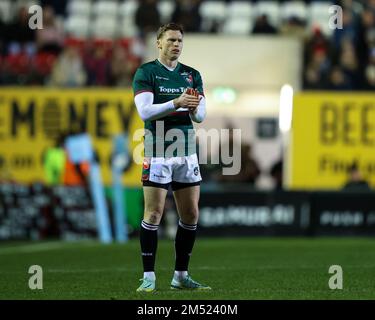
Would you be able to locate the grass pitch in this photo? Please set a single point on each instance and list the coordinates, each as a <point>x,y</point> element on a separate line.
<point>236,269</point>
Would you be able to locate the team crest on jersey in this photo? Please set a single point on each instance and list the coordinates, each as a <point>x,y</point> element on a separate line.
<point>146,164</point>
<point>196,171</point>
<point>189,78</point>
<point>146,169</point>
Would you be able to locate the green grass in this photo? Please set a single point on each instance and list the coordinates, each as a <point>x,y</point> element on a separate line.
<point>241,269</point>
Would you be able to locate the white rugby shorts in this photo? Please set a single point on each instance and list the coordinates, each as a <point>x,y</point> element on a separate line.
<point>174,169</point>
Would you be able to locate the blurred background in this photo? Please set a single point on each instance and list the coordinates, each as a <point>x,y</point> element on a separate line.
<point>300,90</point>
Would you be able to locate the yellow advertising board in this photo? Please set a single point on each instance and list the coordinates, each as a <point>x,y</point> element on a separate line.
<point>331,131</point>
<point>32,118</point>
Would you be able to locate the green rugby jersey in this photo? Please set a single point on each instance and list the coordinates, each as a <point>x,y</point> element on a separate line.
<point>167,85</point>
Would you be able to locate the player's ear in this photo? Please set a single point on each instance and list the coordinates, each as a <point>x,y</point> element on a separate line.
<point>158,42</point>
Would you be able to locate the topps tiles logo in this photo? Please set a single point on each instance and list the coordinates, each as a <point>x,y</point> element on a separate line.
<point>179,90</point>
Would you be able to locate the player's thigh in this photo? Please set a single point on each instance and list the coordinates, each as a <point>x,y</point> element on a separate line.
<point>154,201</point>
<point>187,203</point>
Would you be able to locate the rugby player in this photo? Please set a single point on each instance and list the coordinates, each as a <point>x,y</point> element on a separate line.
<point>168,96</point>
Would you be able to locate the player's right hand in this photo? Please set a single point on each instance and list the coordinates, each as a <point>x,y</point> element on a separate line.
<point>187,99</point>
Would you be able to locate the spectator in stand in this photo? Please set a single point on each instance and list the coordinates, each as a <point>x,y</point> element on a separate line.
<point>355,181</point>
<point>3,37</point>
<point>317,42</point>
<point>187,14</point>
<point>276,173</point>
<point>370,72</point>
<point>121,68</point>
<point>68,71</point>
<point>354,6</point>
<point>321,61</point>
<point>97,67</point>
<point>366,32</point>
<point>348,32</point>
<point>147,17</point>
<point>313,79</point>
<point>20,38</point>
<point>338,80</point>
<point>249,171</point>
<point>262,26</point>
<point>51,37</point>
<point>370,78</point>
<point>350,66</point>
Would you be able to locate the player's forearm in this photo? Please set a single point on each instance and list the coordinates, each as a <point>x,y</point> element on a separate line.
<point>149,111</point>
<point>200,112</point>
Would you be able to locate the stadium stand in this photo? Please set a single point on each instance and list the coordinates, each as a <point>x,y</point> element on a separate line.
<point>334,59</point>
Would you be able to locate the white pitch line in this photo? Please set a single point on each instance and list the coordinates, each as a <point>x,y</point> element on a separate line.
<point>41,247</point>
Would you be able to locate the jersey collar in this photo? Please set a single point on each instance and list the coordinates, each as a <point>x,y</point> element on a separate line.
<point>164,66</point>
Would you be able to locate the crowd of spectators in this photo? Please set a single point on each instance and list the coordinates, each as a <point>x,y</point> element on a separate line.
<point>343,61</point>
<point>51,57</point>
<point>346,61</point>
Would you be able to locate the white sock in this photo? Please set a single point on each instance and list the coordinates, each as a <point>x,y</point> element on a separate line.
<point>149,275</point>
<point>180,274</point>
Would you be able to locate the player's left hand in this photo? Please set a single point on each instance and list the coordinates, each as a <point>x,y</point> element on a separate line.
<point>195,93</point>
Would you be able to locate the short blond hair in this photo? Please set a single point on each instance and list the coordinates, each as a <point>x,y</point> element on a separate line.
<point>169,26</point>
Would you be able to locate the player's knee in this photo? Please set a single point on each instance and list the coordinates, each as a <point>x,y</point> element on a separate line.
<point>192,216</point>
<point>153,217</point>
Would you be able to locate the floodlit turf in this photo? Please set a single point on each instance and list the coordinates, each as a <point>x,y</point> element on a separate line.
<point>241,269</point>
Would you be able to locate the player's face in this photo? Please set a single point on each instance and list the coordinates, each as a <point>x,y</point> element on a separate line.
<point>170,44</point>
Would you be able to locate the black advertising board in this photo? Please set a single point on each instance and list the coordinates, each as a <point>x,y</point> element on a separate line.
<point>38,212</point>
<point>343,213</point>
<point>255,213</point>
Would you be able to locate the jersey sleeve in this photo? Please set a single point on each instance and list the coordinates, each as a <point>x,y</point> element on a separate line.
<point>142,82</point>
<point>198,83</point>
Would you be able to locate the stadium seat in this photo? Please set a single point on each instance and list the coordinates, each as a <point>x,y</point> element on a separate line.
<point>23,3</point>
<point>18,63</point>
<point>105,8</point>
<point>237,26</point>
<point>127,28</point>
<point>77,26</point>
<point>79,7</point>
<point>291,9</point>
<point>271,9</point>
<point>105,43</point>
<point>6,12</point>
<point>319,16</point>
<point>43,63</point>
<point>79,44</point>
<point>166,8</point>
<point>240,9</point>
<point>212,12</point>
<point>128,8</point>
<point>126,43</point>
<point>213,9</point>
<point>104,27</point>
